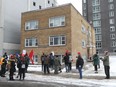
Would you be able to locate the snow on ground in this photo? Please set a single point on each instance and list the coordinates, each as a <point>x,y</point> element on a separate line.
<point>75,81</point>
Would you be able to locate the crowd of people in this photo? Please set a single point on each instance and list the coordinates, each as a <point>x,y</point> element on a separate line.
<point>52,62</point>
<point>10,63</point>
<point>49,62</point>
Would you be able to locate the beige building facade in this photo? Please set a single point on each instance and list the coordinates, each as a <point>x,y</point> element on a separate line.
<point>57,30</point>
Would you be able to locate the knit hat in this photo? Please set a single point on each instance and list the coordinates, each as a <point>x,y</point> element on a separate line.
<point>78,53</point>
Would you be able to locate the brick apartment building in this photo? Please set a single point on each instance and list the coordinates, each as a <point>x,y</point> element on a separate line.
<point>57,29</point>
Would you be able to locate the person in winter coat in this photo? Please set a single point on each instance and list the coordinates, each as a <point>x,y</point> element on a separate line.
<point>22,67</point>
<point>46,64</point>
<point>51,62</point>
<point>96,62</point>
<point>79,64</point>
<point>11,64</point>
<point>56,65</point>
<point>27,59</point>
<point>5,55</point>
<point>106,64</point>
<point>70,62</point>
<point>42,61</point>
<point>66,61</point>
<point>3,67</point>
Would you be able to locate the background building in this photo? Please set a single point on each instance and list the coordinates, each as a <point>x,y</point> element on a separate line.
<point>57,30</point>
<point>101,15</point>
<point>10,21</point>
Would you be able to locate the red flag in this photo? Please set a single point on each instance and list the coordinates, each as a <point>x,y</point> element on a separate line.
<point>31,56</point>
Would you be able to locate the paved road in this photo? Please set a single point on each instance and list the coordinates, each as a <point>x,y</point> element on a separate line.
<point>33,84</point>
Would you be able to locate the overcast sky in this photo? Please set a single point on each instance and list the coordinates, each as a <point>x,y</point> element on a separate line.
<point>76,3</point>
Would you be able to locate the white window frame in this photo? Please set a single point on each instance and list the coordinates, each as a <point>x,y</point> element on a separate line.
<point>96,16</point>
<point>111,6</point>
<point>57,21</point>
<point>84,13</point>
<point>31,25</point>
<point>60,39</point>
<point>83,29</point>
<point>112,36</point>
<point>111,21</point>
<point>31,42</point>
<point>98,30</point>
<point>112,28</point>
<point>111,13</point>
<point>83,43</point>
<point>110,0</point>
<point>84,1</point>
<point>97,23</point>
<point>98,45</point>
<point>113,44</point>
<point>35,58</point>
<point>95,2</point>
<point>96,9</point>
<point>84,6</point>
<point>98,37</point>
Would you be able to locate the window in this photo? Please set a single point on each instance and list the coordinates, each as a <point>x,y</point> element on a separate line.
<point>111,21</point>
<point>98,45</point>
<point>31,25</point>
<point>48,2</point>
<point>96,9</point>
<point>111,14</point>
<point>95,2</point>
<point>96,16</point>
<point>98,30</point>
<point>34,3</point>
<point>84,13</point>
<point>57,21</point>
<point>57,40</point>
<point>83,29</point>
<point>114,50</point>
<point>39,6</point>
<point>113,44</point>
<point>84,6</point>
<point>52,5</point>
<point>112,28</point>
<point>98,38</point>
<point>96,23</point>
<point>35,58</point>
<point>84,1</point>
<point>111,6</point>
<point>112,36</point>
<point>31,42</point>
<point>83,43</point>
<point>89,33</point>
<point>110,0</point>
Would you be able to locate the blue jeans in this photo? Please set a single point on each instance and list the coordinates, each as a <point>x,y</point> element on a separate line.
<point>80,72</point>
<point>67,67</point>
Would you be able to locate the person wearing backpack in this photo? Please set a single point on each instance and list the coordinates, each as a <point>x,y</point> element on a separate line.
<point>79,64</point>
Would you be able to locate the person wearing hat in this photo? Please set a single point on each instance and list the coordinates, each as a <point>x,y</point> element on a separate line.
<point>11,66</point>
<point>79,64</point>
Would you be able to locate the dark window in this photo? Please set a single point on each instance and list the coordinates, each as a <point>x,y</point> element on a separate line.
<point>48,2</point>
<point>52,5</point>
<point>34,4</point>
<point>39,7</point>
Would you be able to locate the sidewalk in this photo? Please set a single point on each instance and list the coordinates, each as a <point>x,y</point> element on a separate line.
<point>88,72</point>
